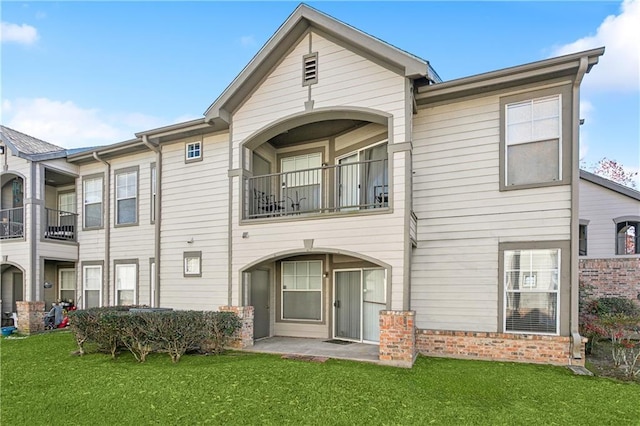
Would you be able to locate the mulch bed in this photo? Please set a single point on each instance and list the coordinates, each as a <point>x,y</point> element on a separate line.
<point>600,362</point>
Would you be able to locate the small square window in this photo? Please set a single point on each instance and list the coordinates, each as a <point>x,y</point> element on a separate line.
<point>193,151</point>
<point>193,264</point>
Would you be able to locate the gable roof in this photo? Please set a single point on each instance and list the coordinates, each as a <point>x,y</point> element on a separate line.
<point>609,184</point>
<point>29,147</point>
<point>298,23</point>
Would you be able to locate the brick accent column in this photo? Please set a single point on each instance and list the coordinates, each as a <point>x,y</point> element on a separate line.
<point>243,338</point>
<point>30,317</point>
<point>397,338</point>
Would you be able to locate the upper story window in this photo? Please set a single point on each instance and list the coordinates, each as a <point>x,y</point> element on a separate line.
<point>535,139</point>
<point>627,236</point>
<point>126,197</point>
<point>193,151</point>
<point>92,195</point>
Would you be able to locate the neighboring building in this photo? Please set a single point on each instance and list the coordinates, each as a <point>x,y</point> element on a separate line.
<point>609,238</point>
<point>338,189</point>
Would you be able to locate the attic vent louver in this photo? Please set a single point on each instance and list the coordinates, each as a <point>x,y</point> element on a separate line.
<point>310,69</point>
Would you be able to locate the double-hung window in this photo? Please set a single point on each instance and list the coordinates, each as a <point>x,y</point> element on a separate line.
<point>531,291</point>
<point>126,197</point>
<point>302,182</point>
<point>533,141</point>
<point>302,290</point>
<point>92,283</point>
<point>92,192</point>
<point>126,278</point>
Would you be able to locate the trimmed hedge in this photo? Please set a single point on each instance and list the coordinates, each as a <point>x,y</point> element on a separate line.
<point>113,329</point>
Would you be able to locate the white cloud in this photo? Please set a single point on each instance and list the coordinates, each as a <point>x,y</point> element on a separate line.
<point>247,41</point>
<point>21,34</point>
<point>68,125</point>
<point>619,68</point>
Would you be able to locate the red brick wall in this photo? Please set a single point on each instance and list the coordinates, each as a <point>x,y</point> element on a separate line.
<point>397,338</point>
<point>242,338</point>
<point>611,277</point>
<point>497,346</point>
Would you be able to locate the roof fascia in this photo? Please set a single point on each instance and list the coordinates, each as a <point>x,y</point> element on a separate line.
<point>508,77</point>
<point>609,184</point>
<point>303,18</point>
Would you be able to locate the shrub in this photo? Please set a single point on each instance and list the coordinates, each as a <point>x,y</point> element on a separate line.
<point>625,347</point>
<point>221,326</point>
<point>616,306</point>
<point>174,332</point>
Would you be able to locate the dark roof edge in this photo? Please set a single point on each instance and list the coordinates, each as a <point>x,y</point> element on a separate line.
<point>509,75</point>
<point>609,184</point>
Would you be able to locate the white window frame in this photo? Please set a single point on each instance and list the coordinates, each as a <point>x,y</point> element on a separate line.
<point>60,281</point>
<point>191,149</point>
<point>122,197</point>
<point>558,135</point>
<point>64,205</point>
<point>86,202</point>
<point>119,287</point>
<point>85,288</point>
<point>283,290</point>
<point>187,258</point>
<point>531,290</point>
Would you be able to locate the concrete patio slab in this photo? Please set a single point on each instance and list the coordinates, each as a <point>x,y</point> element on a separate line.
<point>316,347</point>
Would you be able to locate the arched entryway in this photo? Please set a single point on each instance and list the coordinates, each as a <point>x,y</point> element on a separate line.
<point>11,206</point>
<point>324,294</point>
<point>318,162</point>
<point>11,290</point>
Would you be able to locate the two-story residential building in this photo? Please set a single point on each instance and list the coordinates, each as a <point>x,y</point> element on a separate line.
<point>609,238</point>
<point>339,189</point>
<point>38,222</point>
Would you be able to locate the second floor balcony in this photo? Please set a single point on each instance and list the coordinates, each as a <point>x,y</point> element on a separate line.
<point>60,225</point>
<point>12,223</point>
<point>345,187</point>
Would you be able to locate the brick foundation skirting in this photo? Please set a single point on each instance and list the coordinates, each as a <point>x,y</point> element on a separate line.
<point>529,348</point>
<point>611,277</point>
<point>30,317</point>
<point>397,338</point>
<point>243,338</point>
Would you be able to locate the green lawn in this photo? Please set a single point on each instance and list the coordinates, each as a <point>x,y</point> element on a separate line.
<point>41,383</point>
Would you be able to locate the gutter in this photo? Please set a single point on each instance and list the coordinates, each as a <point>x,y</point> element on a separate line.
<point>107,224</point>
<point>157,208</point>
<point>576,339</point>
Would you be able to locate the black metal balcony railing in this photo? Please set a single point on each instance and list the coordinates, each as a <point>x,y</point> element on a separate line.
<point>12,223</point>
<point>343,187</point>
<point>60,225</point>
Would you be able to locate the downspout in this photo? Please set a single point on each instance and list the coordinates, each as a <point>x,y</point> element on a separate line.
<point>157,208</point>
<point>33,234</point>
<point>107,224</point>
<point>576,339</point>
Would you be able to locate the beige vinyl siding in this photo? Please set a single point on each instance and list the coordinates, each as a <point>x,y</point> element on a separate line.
<point>344,79</point>
<point>600,206</point>
<point>195,204</point>
<point>462,215</point>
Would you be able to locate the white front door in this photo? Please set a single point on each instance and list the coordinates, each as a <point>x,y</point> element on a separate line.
<point>359,296</point>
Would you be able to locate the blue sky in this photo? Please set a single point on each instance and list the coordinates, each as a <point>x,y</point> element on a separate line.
<point>93,73</point>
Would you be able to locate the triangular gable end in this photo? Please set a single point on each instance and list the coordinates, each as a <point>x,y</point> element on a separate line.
<point>302,19</point>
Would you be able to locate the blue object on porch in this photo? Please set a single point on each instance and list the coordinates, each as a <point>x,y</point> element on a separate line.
<point>6,331</point>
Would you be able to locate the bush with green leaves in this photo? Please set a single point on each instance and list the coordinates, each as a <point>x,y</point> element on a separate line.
<point>142,333</point>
